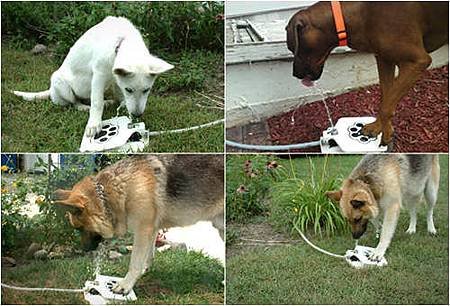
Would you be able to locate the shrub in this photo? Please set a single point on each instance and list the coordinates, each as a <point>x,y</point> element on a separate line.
<point>249,178</point>
<point>166,26</point>
<point>50,225</point>
<point>303,202</point>
<point>192,70</point>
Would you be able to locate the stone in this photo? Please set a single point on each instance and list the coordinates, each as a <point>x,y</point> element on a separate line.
<point>33,248</point>
<point>55,255</point>
<point>8,262</point>
<point>39,49</point>
<point>41,254</point>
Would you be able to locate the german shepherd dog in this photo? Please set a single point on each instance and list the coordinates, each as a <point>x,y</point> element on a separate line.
<point>381,185</point>
<point>143,194</point>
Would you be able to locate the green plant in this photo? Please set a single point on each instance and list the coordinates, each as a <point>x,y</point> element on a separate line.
<point>15,224</point>
<point>249,178</point>
<point>50,225</point>
<point>302,203</point>
<point>165,26</point>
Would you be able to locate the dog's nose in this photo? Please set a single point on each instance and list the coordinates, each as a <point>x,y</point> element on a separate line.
<point>357,235</point>
<point>136,114</point>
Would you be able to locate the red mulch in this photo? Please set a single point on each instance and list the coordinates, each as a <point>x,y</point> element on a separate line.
<point>420,122</point>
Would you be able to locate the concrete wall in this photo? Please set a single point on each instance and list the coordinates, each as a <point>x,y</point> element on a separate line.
<point>234,8</point>
<point>263,89</point>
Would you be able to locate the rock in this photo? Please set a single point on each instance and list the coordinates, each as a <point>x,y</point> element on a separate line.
<point>114,255</point>
<point>41,254</point>
<point>33,248</point>
<point>39,49</point>
<point>50,247</point>
<point>55,255</point>
<point>8,262</point>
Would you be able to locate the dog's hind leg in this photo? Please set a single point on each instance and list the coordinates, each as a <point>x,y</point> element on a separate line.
<point>412,216</point>
<point>218,223</point>
<point>431,193</point>
<point>60,91</point>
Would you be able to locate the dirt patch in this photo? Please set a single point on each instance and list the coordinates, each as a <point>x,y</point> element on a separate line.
<point>259,233</point>
<point>420,122</point>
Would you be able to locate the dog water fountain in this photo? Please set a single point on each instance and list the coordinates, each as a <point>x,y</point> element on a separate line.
<point>117,134</point>
<point>99,291</point>
<point>360,257</point>
<point>346,136</point>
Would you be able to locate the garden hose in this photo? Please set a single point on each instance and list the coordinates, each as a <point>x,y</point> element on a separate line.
<point>154,133</point>
<point>41,289</point>
<point>314,246</point>
<point>304,145</point>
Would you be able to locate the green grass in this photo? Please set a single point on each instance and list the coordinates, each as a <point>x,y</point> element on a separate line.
<point>44,127</point>
<point>417,272</point>
<point>176,277</point>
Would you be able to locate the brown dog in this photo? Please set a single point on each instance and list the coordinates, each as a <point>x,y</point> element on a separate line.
<point>398,33</point>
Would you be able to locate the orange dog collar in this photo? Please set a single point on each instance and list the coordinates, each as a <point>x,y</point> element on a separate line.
<point>339,22</point>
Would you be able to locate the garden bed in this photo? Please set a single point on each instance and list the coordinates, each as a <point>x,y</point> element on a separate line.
<point>420,122</point>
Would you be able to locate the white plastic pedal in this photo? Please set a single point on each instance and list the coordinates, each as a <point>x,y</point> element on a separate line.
<point>359,257</point>
<point>117,134</point>
<point>99,291</point>
<point>346,137</point>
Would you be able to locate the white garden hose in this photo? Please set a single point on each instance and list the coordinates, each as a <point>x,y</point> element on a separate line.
<point>314,246</point>
<point>154,133</point>
<point>41,289</point>
<point>304,145</point>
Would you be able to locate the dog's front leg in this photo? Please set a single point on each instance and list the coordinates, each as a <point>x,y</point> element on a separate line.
<point>142,246</point>
<point>98,84</point>
<point>386,73</point>
<point>409,73</point>
<point>388,229</point>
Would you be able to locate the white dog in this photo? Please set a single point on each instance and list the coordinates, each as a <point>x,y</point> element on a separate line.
<point>112,50</point>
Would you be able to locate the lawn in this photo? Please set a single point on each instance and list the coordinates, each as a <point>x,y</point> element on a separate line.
<point>44,127</point>
<point>176,277</point>
<point>294,273</point>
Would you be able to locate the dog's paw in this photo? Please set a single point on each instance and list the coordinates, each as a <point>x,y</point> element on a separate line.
<point>377,255</point>
<point>372,129</point>
<point>411,230</point>
<point>386,140</point>
<point>93,127</point>
<point>432,230</point>
<point>123,287</point>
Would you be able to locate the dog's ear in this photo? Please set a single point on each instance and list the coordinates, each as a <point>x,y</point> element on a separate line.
<point>334,196</point>
<point>69,198</point>
<point>158,66</point>
<point>122,72</point>
<point>61,194</point>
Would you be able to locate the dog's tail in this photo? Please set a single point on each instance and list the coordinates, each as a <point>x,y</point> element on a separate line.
<point>33,96</point>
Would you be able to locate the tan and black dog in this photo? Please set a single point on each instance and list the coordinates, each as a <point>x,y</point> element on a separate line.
<point>380,185</point>
<point>398,33</point>
<point>143,194</point>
